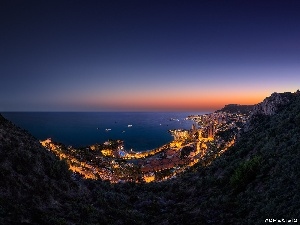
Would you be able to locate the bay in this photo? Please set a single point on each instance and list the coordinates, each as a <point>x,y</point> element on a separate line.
<point>149,130</point>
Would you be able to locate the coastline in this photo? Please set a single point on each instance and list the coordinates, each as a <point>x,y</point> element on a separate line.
<point>149,129</point>
<point>209,136</point>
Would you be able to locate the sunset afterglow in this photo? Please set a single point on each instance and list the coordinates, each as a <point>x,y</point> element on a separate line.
<point>145,56</point>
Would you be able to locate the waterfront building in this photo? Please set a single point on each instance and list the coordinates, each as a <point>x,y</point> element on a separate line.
<point>181,134</point>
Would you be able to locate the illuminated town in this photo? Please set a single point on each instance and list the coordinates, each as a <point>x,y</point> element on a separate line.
<point>210,135</point>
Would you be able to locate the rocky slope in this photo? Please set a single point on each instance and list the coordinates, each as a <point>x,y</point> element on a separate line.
<point>271,104</point>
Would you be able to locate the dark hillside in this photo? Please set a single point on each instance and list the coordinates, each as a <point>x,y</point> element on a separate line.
<point>267,177</point>
<point>35,185</point>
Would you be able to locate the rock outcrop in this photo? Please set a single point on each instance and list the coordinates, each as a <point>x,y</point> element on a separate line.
<point>270,105</point>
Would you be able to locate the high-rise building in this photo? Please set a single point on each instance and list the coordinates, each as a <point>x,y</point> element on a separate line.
<point>210,131</point>
<point>193,128</point>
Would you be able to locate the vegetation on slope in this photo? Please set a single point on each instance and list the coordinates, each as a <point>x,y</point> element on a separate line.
<point>35,186</point>
<point>236,108</point>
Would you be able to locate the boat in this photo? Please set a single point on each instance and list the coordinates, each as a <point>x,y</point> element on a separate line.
<point>129,125</point>
<point>108,129</point>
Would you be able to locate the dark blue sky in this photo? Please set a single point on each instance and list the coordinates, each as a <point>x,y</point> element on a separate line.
<point>146,55</point>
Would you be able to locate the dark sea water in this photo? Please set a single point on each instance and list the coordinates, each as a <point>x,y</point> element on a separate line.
<point>149,129</point>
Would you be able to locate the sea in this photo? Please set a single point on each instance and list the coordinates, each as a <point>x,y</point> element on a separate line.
<point>140,131</point>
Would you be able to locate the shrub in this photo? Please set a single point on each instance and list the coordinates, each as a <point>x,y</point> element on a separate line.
<point>245,173</point>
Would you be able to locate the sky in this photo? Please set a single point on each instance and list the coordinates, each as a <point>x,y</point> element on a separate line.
<point>145,55</point>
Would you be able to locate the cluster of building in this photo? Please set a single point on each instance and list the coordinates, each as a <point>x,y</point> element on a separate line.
<point>209,125</point>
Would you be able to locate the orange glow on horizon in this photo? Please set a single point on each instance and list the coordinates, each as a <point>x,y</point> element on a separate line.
<point>171,102</point>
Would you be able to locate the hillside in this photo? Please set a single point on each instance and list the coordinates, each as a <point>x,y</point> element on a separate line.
<point>236,108</point>
<point>257,179</point>
<point>35,187</point>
